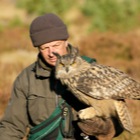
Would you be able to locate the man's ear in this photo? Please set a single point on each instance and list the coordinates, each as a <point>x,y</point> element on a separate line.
<point>66,44</point>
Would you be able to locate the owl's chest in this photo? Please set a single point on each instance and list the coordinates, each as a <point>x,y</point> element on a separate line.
<point>71,83</point>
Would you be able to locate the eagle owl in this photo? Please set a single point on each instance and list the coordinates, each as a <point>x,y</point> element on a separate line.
<point>103,88</point>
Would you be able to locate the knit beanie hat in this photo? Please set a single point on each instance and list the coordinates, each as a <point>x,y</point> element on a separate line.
<point>47,28</point>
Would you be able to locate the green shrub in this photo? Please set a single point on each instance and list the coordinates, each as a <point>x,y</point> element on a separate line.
<point>111,14</point>
<point>103,15</point>
<point>43,6</point>
<point>16,21</point>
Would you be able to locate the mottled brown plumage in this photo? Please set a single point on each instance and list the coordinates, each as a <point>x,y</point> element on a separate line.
<point>101,87</point>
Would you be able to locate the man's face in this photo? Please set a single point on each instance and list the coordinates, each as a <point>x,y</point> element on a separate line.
<point>54,46</point>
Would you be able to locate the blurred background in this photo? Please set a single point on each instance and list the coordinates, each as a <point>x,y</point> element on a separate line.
<point>108,30</point>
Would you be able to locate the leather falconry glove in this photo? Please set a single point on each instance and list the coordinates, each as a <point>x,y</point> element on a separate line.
<point>102,129</point>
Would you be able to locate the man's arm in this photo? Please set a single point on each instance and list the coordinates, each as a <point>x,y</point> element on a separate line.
<point>14,123</point>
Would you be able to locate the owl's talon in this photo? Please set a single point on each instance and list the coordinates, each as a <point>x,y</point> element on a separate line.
<point>87,113</point>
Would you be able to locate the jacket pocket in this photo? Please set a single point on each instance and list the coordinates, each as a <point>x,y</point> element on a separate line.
<point>40,107</point>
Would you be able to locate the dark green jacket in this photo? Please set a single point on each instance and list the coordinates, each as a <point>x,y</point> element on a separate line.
<point>34,97</point>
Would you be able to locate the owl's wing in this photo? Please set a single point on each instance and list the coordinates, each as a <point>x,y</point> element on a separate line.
<point>103,82</point>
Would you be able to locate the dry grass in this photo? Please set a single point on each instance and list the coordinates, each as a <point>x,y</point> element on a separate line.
<point>120,50</point>
<point>15,54</point>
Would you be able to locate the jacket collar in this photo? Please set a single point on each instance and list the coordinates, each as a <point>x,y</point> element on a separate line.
<point>42,68</point>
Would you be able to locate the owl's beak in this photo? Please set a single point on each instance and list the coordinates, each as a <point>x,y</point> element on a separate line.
<point>67,69</point>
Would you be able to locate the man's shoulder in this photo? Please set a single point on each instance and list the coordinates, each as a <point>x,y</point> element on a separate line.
<point>27,71</point>
<point>29,68</point>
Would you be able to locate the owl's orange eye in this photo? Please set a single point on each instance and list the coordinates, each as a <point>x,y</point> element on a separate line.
<point>74,63</point>
<point>61,64</point>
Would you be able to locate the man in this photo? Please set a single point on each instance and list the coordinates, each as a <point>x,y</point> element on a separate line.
<point>36,92</point>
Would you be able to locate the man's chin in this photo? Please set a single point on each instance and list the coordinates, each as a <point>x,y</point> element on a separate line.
<point>52,63</point>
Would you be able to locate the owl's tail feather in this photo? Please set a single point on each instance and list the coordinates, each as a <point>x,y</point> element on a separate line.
<point>124,115</point>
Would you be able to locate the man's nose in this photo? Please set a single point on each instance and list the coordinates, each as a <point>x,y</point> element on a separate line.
<point>51,51</point>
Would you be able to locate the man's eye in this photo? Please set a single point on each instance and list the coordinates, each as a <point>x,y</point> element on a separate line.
<point>56,46</point>
<point>45,48</point>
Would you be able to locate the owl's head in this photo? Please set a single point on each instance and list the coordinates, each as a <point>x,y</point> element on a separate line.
<point>68,65</point>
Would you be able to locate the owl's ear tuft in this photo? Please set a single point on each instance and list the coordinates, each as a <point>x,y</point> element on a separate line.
<point>74,51</point>
<point>57,55</point>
